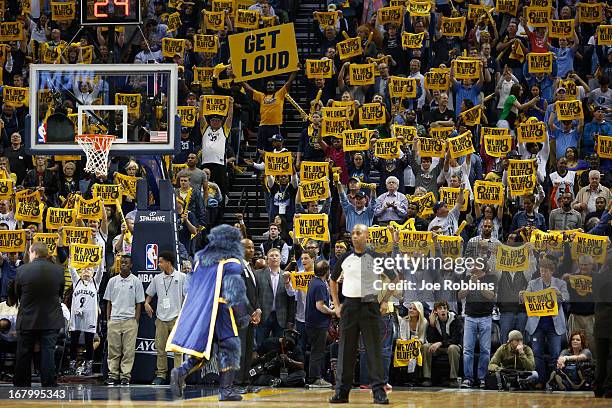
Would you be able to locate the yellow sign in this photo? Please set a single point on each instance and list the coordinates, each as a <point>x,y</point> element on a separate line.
<point>326,18</point>
<point>187,114</point>
<point>380,239</point>
<point>582,284</point>
<point>278,164</point>
<point>452,26</point>
<point>108,193</point>
<point>471,117</point>
<point>400,87</point>
<point>512,258</point>
<point>408,133</point>
<point>488,192</point>
<point>540,63</point>
<point>11,31</point>
<point>437,79</point>
<point>406,350</point>
<point>313,226</point>
<point>58,217</point>
<point>89,209</point>
<point>461,145</point>
<point>450,246</point>
<point>216,105</point>
<point>334,126</point>
<point>76,235</point>
<point>541,303</point>
<point>521,185</point>
<point>300,280</point>
<point>419,8</point>
<point>350,105</point>
<point>415,241</point>
<point>388,148</point>
<point>310,171</point>
<point>49,239</point>
<point>431,147</point>
<point>475,11</point>
<point>203,76</point>
<point>132,101</point>
<point>561,29</point>
<point>16,97</point>
<point>29,206</point>
<point>591,13</point>
<point>214,20</point>
<point>532,132</point>
<point>205,43</point>
<point>221,5</point>
<point>450,196</point>
<point>387,15</point>
<point>322,68</point>
<point>604,35</point>
<point>604,147</point>
<point>334,113</point>
<point>248,19</point>
<point>587,244</point>
<point>85,256</point>
<point>467,68</point>
<point>426,203</point>
<point>410,40</point>
<point>12,240</point>
<point>521,167</point>
<point>172,46</point>
<point>507,6</point>
<point>63,11</point>
<point>356,140</point>
<point>264,52</point>
<point>174,22</point>
<point>314,190</point>
<point>538,16</point>
<point>372,114</point>
<point>361,74</point>
<point>498,146</point>
<point>545,241</point>
<point>6,189</point>
<point>128,184</point>
<point>349,48</point>
<point>569,110</point>
<point>88,53</point>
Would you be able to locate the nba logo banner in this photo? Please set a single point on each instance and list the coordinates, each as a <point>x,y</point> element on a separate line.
<point>151,257</point>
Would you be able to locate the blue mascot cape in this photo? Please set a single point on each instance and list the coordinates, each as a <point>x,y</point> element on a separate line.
<point>197,324</point>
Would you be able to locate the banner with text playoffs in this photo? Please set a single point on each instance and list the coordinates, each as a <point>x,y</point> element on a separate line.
<point>265,52</point>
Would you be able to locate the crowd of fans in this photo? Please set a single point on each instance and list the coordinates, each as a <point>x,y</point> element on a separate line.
<point>570,194</point>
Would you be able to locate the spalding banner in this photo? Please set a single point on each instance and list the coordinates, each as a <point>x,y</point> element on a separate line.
<point>262,53</point>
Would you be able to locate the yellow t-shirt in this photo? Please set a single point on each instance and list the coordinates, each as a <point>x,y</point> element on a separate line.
<point>271,107</point>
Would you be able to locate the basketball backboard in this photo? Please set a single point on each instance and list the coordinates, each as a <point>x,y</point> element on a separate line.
<point>135,103</point>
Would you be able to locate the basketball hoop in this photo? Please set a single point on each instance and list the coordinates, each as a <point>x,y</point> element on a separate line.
<point>96,149</point>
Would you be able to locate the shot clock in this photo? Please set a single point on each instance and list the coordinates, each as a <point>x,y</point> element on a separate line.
<point>110,12</point>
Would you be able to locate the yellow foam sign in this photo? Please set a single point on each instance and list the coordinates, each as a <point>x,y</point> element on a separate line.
<point>561,29</point>
<point>58,217</point>
<point>431,147</point>
<point>507,6</point>
<point>450,246</point>
<point>400,87</point>
<point>203,76</point>
<point>467,68</point>
<point>349,48</point>
<point>471,117</point>
<point>538,16</point>
<point>532,132</point>
<point>89,209</point>
<point>187,114</point>
<point>569,110</point>
<point>322,68</point>
<point>300,280</point>
<point>334,113</point>
<point>408,133</point>
<point>15,96</point>
<point>264,52</point>
<point>216,105</point>
<point>12,240</point>
<point>87,54</point>
<point>128,184</point>
<point>475,11</point>
<point>582,284</point>
<point>426,203</point>
<point>85,256</point>
<point>437,79</point>
<point>63,11</point>
<point>521,185</point>
<point>592,245</point>
<point>604,35</point>
<point>388,148</point>
<point>278,164</point>
<point>356,140</point>
<point>248,19</point>
<point>415,241</point>
<point>214,20</point>
<point>334,126</point>
<point>315,190</point>
<point>387,15</point>
<point>172,46</point>
<point>545,241</point>
<point>326,18</point>
<point>108,193</point>
<point>132,101</point>
<point>205,43</point>
<point>419,8</point>
<point>450,196</point>
<point>512,258</point>
<point>380,239</point>
<point>406,350</point>
<point>571,90</point>
<point>488,192</point>
<point>540,63</point>
<point>11,31</point>
<point>29,208</point>
<point>314,226</point>
<point>410,40</point>
<point>541,3</point>
<point>350,105</point>
<point>461,145</point>
<point>6,189</point>
<point>221,5</point>
<point>361,74</point>
<point>76,235</point>
<point>372,114</point>
<point>541,303</point>
<point>49,239</point>
<point>310,171</point>
<point>521,167</point>
<point>604,147</point>
<point>452,26</point>
<point>174,22</point>
<point>591,13</point>
<point>498,146</point>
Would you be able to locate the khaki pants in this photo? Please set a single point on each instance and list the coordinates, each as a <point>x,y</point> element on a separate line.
<point>162,331</point>
<point>453,351</point>
<point>121,339</point>
<point>585,324</point>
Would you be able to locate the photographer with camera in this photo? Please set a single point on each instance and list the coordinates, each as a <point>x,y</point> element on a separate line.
<point>512,365</point>
<point>279,362</point>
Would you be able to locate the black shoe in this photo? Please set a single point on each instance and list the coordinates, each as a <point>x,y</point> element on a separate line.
<point>380,397</point>
<point>158,381</point>
<point>125,381</point>
<point>110,381</point>
<point>338,399</point>
<point>252,389</point>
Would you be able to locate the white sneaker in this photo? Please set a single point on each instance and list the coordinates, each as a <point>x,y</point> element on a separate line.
<point>320,383</point>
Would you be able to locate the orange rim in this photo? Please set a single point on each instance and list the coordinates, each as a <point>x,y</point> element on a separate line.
<point>98,142</point>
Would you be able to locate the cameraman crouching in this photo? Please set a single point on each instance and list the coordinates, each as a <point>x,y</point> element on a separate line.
<point>279,362</point>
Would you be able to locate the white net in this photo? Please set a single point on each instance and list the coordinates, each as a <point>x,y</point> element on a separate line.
<point>96,148</point>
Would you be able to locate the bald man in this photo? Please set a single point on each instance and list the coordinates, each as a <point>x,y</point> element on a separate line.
<point>242,380</point>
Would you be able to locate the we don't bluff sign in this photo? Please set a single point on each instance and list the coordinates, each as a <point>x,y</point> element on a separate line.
<point>262,53</point>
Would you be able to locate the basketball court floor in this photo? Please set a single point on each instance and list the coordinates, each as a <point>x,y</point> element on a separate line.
<point>143,396</point>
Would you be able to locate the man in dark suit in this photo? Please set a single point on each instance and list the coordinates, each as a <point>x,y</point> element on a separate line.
<point>602,296</point>
<point>39,285</point>
<point>242,380</point>
<point>274,294</point>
